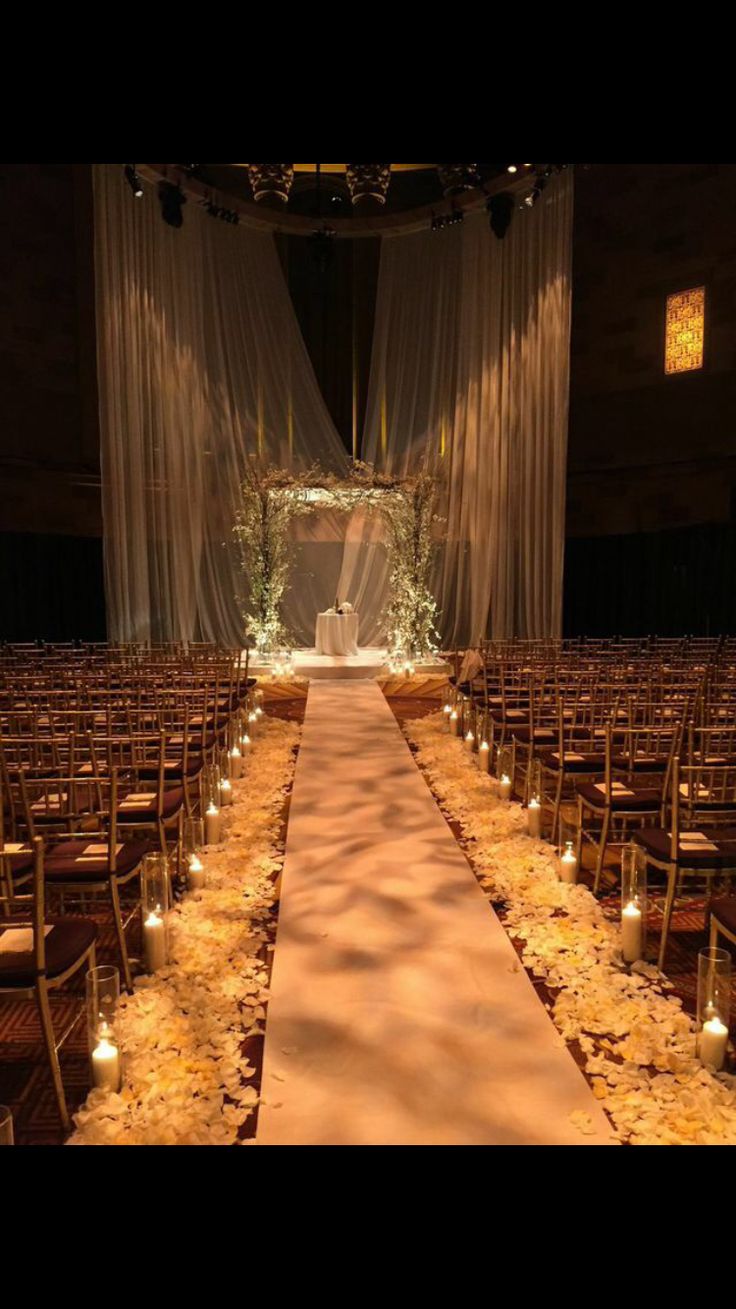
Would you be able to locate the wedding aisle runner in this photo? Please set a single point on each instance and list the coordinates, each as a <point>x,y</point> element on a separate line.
<point>398,1012</point>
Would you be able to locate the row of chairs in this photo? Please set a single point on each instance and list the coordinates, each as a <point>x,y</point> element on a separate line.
<point>88,789</point>
<point>637,743</point>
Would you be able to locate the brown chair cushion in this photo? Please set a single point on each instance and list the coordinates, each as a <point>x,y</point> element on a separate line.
<point>656,842</point>
<point>724,911</point>
<point>173,768</point>
<point>69,862</point>
<point>67,941</point>
<point>641,798</point>
<point>576,761</point>
<point>545,735</point>
<point>147,811</point>
<point>639,763</point>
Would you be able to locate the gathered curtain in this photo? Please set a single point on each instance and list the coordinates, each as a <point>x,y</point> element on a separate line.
<point>201,363</point>
<point>469,377</point>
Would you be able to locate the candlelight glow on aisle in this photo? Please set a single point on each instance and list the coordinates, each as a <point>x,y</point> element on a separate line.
<point>178,1038</point>
<point>645,1057</point>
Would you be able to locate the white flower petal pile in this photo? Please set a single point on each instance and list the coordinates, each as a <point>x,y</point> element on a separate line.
<point>638,1042</point>
<point>185,1081</point>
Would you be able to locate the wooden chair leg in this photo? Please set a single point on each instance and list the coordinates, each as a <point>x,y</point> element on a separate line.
<point>42,997</point>
<point>120,932</point>
<point>557,805</point>
<point>603,842</point>
<point>667,917</point>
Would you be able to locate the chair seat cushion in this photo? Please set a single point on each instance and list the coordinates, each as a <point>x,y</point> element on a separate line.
<point>708,848</point>
<point>574,761</point>
<point>639,763</point>
<point>624,799</point>
<point>142,806</point>
<point>173,768</point>
<point>86,861</point>
<point>67,941</point>
<point>724,910</point>
<point>545,735</point>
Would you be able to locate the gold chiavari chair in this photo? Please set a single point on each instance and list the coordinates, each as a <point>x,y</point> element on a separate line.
<point>37,958</point>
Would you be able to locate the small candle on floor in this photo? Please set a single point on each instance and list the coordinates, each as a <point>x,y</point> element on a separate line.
<point>212,824</point>
<point>106,1062</point>
<point>631,935</point>
<point>484,757</point>
<point>252,724</point>
<point>469,742</point>
<point>534,817</point>
<point>196,874</point>
<point>245,742</point>
<point>446,711</point>
<point>226,791</point>
<point>713,1043</point>
<point>454,723</point>
<point>504,787</point>
<point>154,942</point>
<point>236,763</point>
<point>568,865</point>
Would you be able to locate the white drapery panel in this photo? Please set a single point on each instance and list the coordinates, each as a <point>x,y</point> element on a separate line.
<point>470,373</point>
<point>200,362</point>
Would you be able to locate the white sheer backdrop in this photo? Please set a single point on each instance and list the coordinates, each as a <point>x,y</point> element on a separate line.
<point>470,372</point>
<point>200,362</point>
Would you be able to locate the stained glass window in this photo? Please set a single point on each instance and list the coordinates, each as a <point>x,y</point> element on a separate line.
<point>683,349</point>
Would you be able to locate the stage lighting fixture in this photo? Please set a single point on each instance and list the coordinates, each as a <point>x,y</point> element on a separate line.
<point>500,212</point>
<point>133,180</point>
<point>172,199</point>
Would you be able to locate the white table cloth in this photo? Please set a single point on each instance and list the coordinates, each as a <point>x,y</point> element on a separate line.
<point>337,634</point>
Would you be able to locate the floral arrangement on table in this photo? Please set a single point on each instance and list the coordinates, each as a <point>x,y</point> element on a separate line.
<point>186,1080</point>
<point>638,1043</point>
<point>271,497</point>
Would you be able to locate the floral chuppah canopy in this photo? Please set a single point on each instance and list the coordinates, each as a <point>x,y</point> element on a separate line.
<point>271,497</point>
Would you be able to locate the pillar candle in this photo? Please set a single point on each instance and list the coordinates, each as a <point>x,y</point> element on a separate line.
<point>252,724</point>
<point>106,1063</point>
<point>212,825</point>
<point>446,711</point>
<point>454,723</point>
<point>236,763</point>
<point>534,817</point>
<point>154,941</point>
<point>196,874</point>
<point>713,1043</point>
<point>631,933</point>
<point>568,865</point>
<point>484,757</point>
<point>504,787</point>
<point>469,742</point>
<point>226,791</point>
<point>245,742</point>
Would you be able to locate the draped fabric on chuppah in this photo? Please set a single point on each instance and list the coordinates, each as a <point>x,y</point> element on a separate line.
<point>201,362</point>
<point>469,374</point>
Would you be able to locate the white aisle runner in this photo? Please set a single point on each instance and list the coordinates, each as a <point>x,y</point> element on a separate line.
<point>398,1014</point>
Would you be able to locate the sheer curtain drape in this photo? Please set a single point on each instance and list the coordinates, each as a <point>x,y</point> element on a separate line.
<point>200,362</point>
<point>469,373</point>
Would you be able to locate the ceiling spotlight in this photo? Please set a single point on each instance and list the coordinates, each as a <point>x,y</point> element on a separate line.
<point>500,212</point>
<point>172,199</point>
<point>133,180</point>
<point>511,168</point>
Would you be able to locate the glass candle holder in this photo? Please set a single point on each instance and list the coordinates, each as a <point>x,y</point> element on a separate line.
<point>155,911</point>
<point>633,903</point>
<point>102,986</point>
<point>6,1126</point>
<point>567,859</point>
<point>504,769</point>
<point>484,756</point>
<point>446,711</point>
<point>193,842</point>
<point>235,760</point>
<point>534,807</point>
<point>252,724</point>
<point>454,722</point>
<point>714,1006</point>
